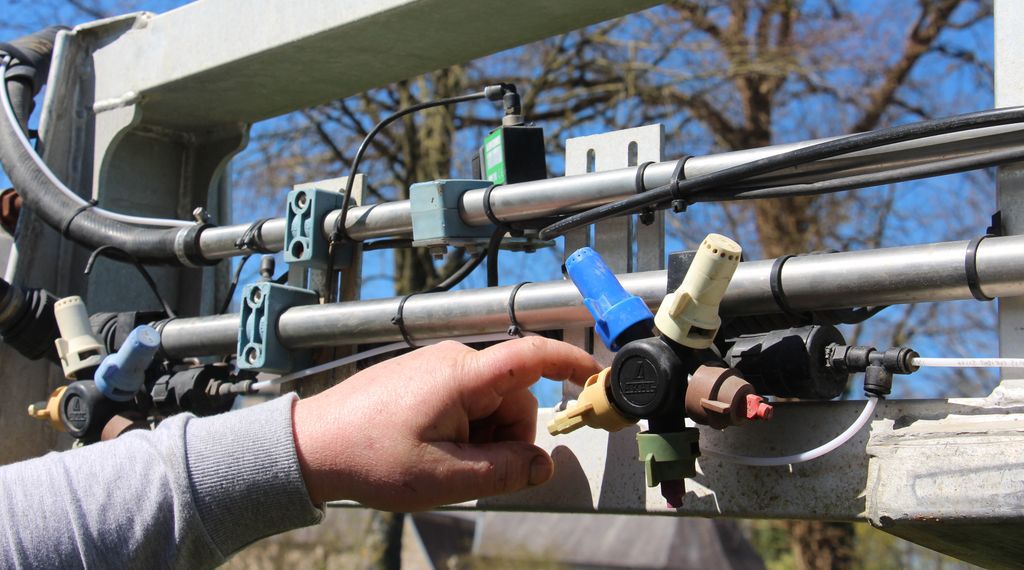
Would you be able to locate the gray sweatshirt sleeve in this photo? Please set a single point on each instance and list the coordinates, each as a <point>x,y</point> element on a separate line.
<point>188,494</point>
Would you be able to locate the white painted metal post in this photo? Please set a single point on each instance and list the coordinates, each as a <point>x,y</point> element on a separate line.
<point>1009,84</point>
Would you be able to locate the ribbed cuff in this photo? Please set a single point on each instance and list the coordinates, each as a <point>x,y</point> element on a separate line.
<point>245,475</point>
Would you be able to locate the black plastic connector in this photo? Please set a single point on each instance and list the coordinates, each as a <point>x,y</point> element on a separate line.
<point>878,366</point>
<point>84,410</point>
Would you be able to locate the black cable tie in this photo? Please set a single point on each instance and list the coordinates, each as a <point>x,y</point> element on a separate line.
<point>971,268</point>
<point>679,201</point>
<point>67,224</point>
<point>252,239</point>
<point>488,211</point>
<point>775,282</point>
<point>514,328</point>
<point>399,321</point>
<point>647,214</point>
<point>187,246</point>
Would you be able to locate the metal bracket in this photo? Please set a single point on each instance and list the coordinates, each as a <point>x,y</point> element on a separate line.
<point>436,221</point>
<point>305,245</point>
<point>259,347</point>
<point>614,239</point>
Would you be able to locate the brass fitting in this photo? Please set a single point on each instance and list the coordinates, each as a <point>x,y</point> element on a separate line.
<point>591,409</point>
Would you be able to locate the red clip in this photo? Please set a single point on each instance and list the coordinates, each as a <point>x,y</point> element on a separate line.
<point>757,409</point>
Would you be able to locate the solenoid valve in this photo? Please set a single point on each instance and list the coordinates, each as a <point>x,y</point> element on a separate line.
<point>689,316</point>
<point>79,350</point>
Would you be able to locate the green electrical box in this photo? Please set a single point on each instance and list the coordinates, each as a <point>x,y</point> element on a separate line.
<point>510,155</point>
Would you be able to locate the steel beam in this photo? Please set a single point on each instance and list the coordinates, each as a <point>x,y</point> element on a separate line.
<point>196,77</point>
<point>910,274</point>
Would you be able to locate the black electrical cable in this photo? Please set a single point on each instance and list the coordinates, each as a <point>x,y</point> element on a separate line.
<point>380,244</point>
<point>688,190</point>
<point>460,274</point>
<point>493,247</point>
<point>126,257</point>
<point>234,284</point>
<point>340,233</point>
<point>893,176</point>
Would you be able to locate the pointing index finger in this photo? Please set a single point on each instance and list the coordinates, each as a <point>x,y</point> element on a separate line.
<point>517,364</point>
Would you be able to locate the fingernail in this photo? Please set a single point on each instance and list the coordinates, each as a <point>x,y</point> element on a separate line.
<point>541,469</point>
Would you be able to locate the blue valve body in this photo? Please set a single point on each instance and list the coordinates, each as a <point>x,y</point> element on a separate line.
<point>122,374</point>
<point>618,316</point>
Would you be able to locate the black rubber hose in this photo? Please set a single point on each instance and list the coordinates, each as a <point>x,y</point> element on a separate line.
<point>177,246</point>
<point>32,55</point>
<point>27,322</point>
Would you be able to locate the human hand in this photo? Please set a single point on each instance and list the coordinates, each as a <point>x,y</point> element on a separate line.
<point>443,424</point>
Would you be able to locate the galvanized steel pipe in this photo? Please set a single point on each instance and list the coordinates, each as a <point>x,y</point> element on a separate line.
<point>911,274</point>
<point>569,194</point>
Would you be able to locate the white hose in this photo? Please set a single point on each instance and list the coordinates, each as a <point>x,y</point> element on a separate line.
<point>124,218</point>
<point>858,424</point>
<point>264,384</point>
<point>969,362</point>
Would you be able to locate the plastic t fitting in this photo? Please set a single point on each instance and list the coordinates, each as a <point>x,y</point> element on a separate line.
<point>591,409</point>
<point>79,350</point>
<point>690,315</point>
<point>618,316</point>
<point>123,373</point>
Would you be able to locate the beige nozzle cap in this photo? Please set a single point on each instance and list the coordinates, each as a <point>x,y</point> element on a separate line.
<point>591,409</point>
<point>77,348</point>
<point>689,316</point>
<point>50,410</point>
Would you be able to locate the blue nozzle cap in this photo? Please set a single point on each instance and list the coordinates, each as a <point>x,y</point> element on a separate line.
<point>618,316</point>
<point>122,374</point>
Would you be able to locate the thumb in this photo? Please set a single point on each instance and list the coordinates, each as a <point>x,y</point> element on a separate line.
<point>473,471</point>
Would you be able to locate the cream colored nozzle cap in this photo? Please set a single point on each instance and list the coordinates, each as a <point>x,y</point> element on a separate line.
<point>689,316</point>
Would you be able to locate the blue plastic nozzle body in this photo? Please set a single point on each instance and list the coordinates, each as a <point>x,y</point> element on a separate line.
<point>122,374</point>
<point>619,317</point>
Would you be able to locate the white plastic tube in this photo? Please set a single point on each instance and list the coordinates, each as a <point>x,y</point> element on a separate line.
<point>125,218</point>
<point>969,362</point>
<point>265,384</point>
<point>858,424</point>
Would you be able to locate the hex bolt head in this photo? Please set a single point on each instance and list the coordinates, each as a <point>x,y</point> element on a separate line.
<point>438,252</point>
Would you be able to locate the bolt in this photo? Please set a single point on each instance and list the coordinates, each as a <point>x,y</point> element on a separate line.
<point>251,356</point>
<point>757,409</point>
<point>256,296</point>
<point>302,200</point>
<point>201,215</point>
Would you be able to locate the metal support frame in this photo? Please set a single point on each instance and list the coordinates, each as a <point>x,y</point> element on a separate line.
<point>936,472</point>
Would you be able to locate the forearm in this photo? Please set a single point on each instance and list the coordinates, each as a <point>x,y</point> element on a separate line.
<point>189,494</point>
